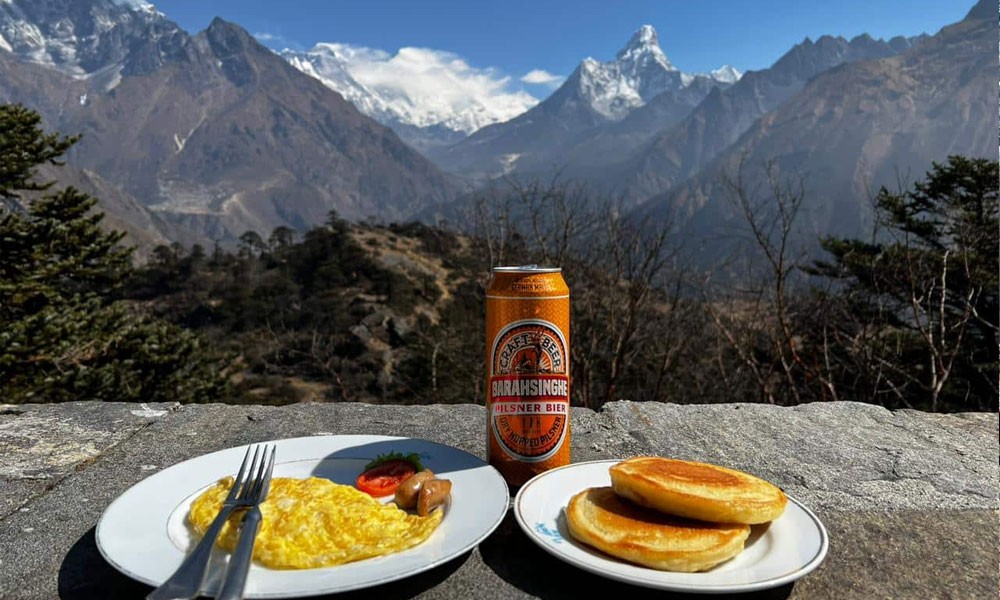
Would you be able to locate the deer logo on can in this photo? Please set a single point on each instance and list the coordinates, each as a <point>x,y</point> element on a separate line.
<point>527,312</point>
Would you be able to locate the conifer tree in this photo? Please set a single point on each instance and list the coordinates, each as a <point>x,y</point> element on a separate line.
<point>62,334</point>
<point>923,297</point>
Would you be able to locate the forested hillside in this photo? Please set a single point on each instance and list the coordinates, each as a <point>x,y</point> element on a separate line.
<point>393,313</point>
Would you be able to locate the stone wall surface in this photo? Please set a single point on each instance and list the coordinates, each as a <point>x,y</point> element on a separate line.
<point>910,499</point>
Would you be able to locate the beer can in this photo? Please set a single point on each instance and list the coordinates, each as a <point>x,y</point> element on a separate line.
<point>527,371</point>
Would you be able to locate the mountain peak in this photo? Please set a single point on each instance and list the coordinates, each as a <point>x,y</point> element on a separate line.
<point>984,9</point>
<point>218,23</point>
<point>644,37</point>
<point>639,72</point>
<point>221,31</point>
<point>644,43</point>
<point>726,74</point>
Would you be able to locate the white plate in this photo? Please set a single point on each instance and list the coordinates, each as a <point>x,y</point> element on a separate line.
<point>775,554</point>
<point>143,532</point>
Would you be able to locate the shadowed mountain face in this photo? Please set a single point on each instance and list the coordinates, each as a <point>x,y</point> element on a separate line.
<point>656,145</point>
<point>855,128</point>
<point>214,132</point>
<point>637,126</point>
<point>100,38</point>
<point>680,151</point>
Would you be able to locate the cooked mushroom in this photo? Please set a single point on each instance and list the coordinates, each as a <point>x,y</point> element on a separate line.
<point>433,494</point>
<point>407,492</point>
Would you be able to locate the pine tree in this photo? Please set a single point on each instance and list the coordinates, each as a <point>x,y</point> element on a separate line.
<point>923,298</point>
<point>62,334</point>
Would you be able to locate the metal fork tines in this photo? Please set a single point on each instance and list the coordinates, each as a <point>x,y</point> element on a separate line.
<point>186,582</point>
<point>239,562</point>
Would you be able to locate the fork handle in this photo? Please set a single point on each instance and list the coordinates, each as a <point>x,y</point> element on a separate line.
<point>239,562</point>
<point>185,583</point>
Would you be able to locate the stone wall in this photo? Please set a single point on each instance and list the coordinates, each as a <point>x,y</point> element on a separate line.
<point>910,499</point>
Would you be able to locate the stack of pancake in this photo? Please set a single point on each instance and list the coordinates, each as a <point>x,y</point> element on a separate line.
<point>673,515</point>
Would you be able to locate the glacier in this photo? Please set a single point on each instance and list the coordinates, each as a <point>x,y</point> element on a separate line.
<point>421,87</point>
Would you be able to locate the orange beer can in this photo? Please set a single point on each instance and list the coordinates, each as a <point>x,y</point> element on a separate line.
<point>527,371</point>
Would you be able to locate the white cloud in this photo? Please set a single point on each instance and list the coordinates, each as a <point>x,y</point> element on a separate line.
<point>542,77</point>
<point>275,40</point>
<point>423,86</point>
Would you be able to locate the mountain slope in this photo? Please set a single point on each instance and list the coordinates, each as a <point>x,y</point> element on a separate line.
<point>100,38</point>
<point>724,115</point>
<point>143,229</point>
<point>216,133</point>
<point>594,100</point>
<point>855,128</point>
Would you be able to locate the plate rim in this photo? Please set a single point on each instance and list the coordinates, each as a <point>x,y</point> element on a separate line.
<point>797,573</point>
<point>353,440</point>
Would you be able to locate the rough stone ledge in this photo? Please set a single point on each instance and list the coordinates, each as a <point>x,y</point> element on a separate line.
<point>910,498</point>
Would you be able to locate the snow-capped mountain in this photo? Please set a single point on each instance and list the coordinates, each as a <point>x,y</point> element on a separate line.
<point>88,38</point>
<point>640,72</point>
<point>433,98</point>
<point>725,74</point>
<point>860,114</point>
<point>212,132</point>
<point>685,148</point>
<point>602,111</point>
<point>427,96</point>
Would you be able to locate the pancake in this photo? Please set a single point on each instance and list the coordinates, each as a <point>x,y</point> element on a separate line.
<point>697,490</point>
<point>600,518</point>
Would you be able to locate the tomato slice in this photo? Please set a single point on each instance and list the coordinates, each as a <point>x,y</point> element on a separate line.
<point>384,478</point>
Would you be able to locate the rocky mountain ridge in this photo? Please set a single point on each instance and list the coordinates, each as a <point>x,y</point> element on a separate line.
<point>214,132</point>
<point>680,151</point>
<point>850,130</point>
<point>590,103</point>
<point>89,38</point>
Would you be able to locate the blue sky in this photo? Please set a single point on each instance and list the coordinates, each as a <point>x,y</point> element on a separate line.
<point>514,37</point>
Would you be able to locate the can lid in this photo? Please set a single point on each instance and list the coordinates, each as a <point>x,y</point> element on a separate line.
<point>527,269</point>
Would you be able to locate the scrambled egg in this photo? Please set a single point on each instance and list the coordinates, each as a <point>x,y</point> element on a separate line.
<point>314,522</point>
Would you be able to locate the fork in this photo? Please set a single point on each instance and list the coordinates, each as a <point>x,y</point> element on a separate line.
<point>186,581</point>
<point>239,563</point>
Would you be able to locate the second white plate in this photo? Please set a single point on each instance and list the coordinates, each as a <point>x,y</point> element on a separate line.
<point>775,554</point>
